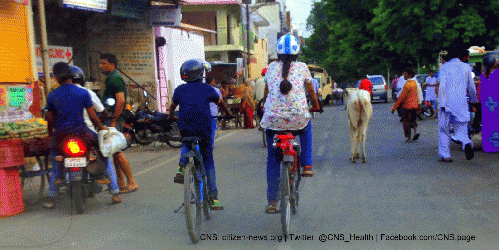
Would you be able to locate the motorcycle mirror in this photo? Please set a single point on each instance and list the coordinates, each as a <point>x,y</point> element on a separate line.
<point>110,101</point>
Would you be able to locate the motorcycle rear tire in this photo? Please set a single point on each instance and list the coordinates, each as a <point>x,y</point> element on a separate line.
<point>78,196</point>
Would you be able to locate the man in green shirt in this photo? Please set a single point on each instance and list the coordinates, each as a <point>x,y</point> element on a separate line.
<point>114,100</point>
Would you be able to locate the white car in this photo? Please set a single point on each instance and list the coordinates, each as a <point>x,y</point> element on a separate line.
<point>379,88</point>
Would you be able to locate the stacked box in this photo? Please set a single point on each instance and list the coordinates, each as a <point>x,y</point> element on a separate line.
<point>11,195</point>
<point>11,153</point>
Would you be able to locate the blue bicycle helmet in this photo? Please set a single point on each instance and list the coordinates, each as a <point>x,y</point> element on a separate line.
<point>288,45</point>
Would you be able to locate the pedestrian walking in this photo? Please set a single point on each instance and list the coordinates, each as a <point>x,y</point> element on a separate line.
<point>455,81</point>
<point>430,95</point>
<point>114,98</point>
<point>213,106</point>
<point>409,102</point>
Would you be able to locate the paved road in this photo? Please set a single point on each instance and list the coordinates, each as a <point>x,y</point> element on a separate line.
<point>401,190</point>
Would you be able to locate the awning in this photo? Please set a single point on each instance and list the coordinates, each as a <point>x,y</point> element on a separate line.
<point>185,26</point>
<point>167,2</point>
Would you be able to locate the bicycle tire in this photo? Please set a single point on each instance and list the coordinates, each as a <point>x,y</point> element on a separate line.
<point>284,191</point>
<point>206,201</point>
<point>192,196</point>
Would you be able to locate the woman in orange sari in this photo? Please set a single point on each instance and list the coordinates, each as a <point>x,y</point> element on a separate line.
<point>247,105</point>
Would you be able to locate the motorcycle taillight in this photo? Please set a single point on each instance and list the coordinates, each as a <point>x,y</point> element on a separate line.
<point>74,148</point>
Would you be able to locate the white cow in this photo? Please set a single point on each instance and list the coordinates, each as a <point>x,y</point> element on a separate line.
<point>359,111</point>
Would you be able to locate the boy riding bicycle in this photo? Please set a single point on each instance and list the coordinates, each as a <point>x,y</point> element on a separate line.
<point>194,119</point>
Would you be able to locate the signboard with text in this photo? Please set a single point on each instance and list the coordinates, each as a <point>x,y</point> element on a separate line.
<point>92,5</point>
<point>56,54</point>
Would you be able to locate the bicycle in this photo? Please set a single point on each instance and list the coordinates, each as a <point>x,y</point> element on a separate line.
<point>290,176</point>
<point>196,196</point>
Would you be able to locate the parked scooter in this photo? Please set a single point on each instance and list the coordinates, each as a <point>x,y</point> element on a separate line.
<point>82,164</point>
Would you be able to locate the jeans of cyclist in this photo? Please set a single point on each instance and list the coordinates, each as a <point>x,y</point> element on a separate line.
<point>206,148</point>
<point>275,156</point>
<point>56,171</point>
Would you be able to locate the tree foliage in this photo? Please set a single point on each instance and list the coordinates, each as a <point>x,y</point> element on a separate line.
<point>359,37</point>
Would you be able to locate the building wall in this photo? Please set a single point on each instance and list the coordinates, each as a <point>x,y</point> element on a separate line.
<point>259,60</point>
<point>271,13</point>
<point>15,45</point>
<point>180,46</point>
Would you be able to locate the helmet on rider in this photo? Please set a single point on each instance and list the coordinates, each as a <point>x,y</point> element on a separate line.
<point>192,70</point>
<point>288,45</point>
<point>78,75</point>
<point>490,60</point>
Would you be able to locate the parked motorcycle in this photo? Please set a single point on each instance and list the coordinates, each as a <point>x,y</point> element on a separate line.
<point>145,127</point>
<point>82,165</point>
<point>150,126</point>
<point>427,109</point>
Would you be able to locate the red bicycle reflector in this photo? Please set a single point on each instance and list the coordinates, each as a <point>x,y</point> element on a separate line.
<point>74,147</point>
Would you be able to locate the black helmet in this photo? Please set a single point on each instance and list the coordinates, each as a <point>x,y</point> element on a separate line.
<point>192,70</point>
<point>489,60</point>
<point>78,75</point>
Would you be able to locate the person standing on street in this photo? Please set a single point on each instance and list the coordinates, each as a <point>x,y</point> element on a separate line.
<point>455,81</point>
<point>409,101</point>
<point>431,96</point>
<point>258,93</point>
<point>213,106</point>
<point>114,99</point>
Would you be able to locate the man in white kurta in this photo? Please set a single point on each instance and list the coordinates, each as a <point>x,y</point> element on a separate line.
<point>431,96</point>
<point>455,81</point>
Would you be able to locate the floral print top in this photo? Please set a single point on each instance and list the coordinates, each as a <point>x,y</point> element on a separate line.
<point>286,112</point>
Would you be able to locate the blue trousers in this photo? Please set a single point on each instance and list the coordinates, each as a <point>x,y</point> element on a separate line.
<point>274,159</point>
<point>206,148</point>
<point>56,171</point>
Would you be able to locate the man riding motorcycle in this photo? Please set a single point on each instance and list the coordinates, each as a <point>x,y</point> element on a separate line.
<point>65,106</point>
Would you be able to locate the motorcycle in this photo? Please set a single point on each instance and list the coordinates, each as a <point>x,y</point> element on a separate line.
<point>427,109</point>
<point>145,127</point>
<point>82,164</point>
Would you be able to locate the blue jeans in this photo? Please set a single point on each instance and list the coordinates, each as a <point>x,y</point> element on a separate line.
<point>275,156</point>
<point>206,148</point>
<point>214,126</point>
<point>56,171</point>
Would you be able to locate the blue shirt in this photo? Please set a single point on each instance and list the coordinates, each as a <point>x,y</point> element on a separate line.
<point>213,105</point>
<point>68,102</point>
<point>315,82</point>
<point>194,100</point>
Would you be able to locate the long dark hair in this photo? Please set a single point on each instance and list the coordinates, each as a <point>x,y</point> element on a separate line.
<point>286,60</point>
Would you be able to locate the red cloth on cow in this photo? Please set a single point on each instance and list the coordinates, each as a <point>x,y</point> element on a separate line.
<point>365,84</point>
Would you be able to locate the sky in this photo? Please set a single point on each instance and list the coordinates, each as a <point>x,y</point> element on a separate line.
<point>300,10</point>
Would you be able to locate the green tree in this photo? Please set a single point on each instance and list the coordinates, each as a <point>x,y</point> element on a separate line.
<point>355,38</point>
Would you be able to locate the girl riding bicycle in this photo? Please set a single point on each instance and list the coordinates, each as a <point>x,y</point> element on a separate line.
<point>286,109</point>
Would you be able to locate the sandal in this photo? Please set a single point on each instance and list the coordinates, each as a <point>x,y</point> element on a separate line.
<point>127,190</point>
<point>307,171</point>
<point>416,137</point>
<point>445,160</point>
<point>271,208</point>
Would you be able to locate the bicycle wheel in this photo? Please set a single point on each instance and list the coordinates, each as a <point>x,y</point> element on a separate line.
<point>33,183</point>
<point>206,200</point>
<point>285,206</point>
<point>192,201</point>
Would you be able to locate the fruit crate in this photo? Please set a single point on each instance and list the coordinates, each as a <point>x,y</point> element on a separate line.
<point>11,153</point>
